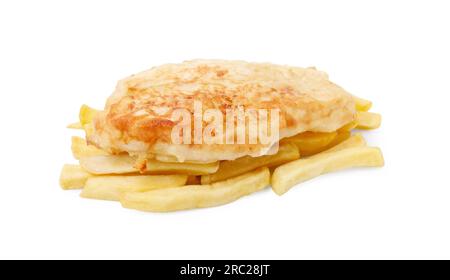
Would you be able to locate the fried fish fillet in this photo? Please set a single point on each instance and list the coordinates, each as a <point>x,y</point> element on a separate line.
<point>138,116</point>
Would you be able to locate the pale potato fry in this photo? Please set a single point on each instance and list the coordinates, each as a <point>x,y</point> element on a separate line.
<point>368,120</point>
<point>228,169</point>
<point>111,187</point>
<point>172,159</point>
<point>310,143</point>
<point>73,177</point>
<point>190,197</point>
<point>87,114</point>
<point>356,140</point>
<point>157,167</point>
<point>348,127</point>
<point>290,174</point>
<point>361,104</point>
<point>81,149</point>
<point>104,165</point>
<point>76,125</point>
<point>124,164</point>
<point>340,137</point>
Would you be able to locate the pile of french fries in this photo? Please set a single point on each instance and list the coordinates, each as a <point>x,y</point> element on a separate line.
<point>173,186</point>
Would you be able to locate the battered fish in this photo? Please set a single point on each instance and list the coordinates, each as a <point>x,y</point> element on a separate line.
<point>138,116</point>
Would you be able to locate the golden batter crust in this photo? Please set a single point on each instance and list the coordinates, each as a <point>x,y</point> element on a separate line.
<point>138,116</point>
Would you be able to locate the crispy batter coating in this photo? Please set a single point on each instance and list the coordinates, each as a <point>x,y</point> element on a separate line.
<point>138,116</point>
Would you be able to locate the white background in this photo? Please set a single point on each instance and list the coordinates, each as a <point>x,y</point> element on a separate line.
<point>56,55</point>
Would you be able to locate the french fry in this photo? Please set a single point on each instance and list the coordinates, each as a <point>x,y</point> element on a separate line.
<point>368,120</point>
<point>201,196</point>
<point>124,164</point>
<point>290,174</point>
<point>310,143</point>
<point>228,169</point>
<point>172,159</point>
<point>362,105</point>
<point>87,114</point>
<point>340,137</point>
<point>157,167</point>
<point>348,127</point>
<point>111,187</point>
<point>81,149</point>
<point>356,140</point>
<point>76,125</point>
<point>73,177</point>
<point>104,165</point>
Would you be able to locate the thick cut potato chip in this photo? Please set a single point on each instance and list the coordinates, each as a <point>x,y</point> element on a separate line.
<point>172,159</point>
<point>310,143</point>
<point>290,174</point>
<point>340,137</point>
<point>124,164</point>
<point>111,187</point>
<point>348,127</point>
<point>73,177</point>
<point>228,169</point>
<point>368,120</point>
<point>76,125</point>
<point>104,165</point>
<point>356,140</point>
<point>201,196</point>
<point>157,167</point>
<point>87,114</point>
<point>362,105</point>
<point>81,149</point>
